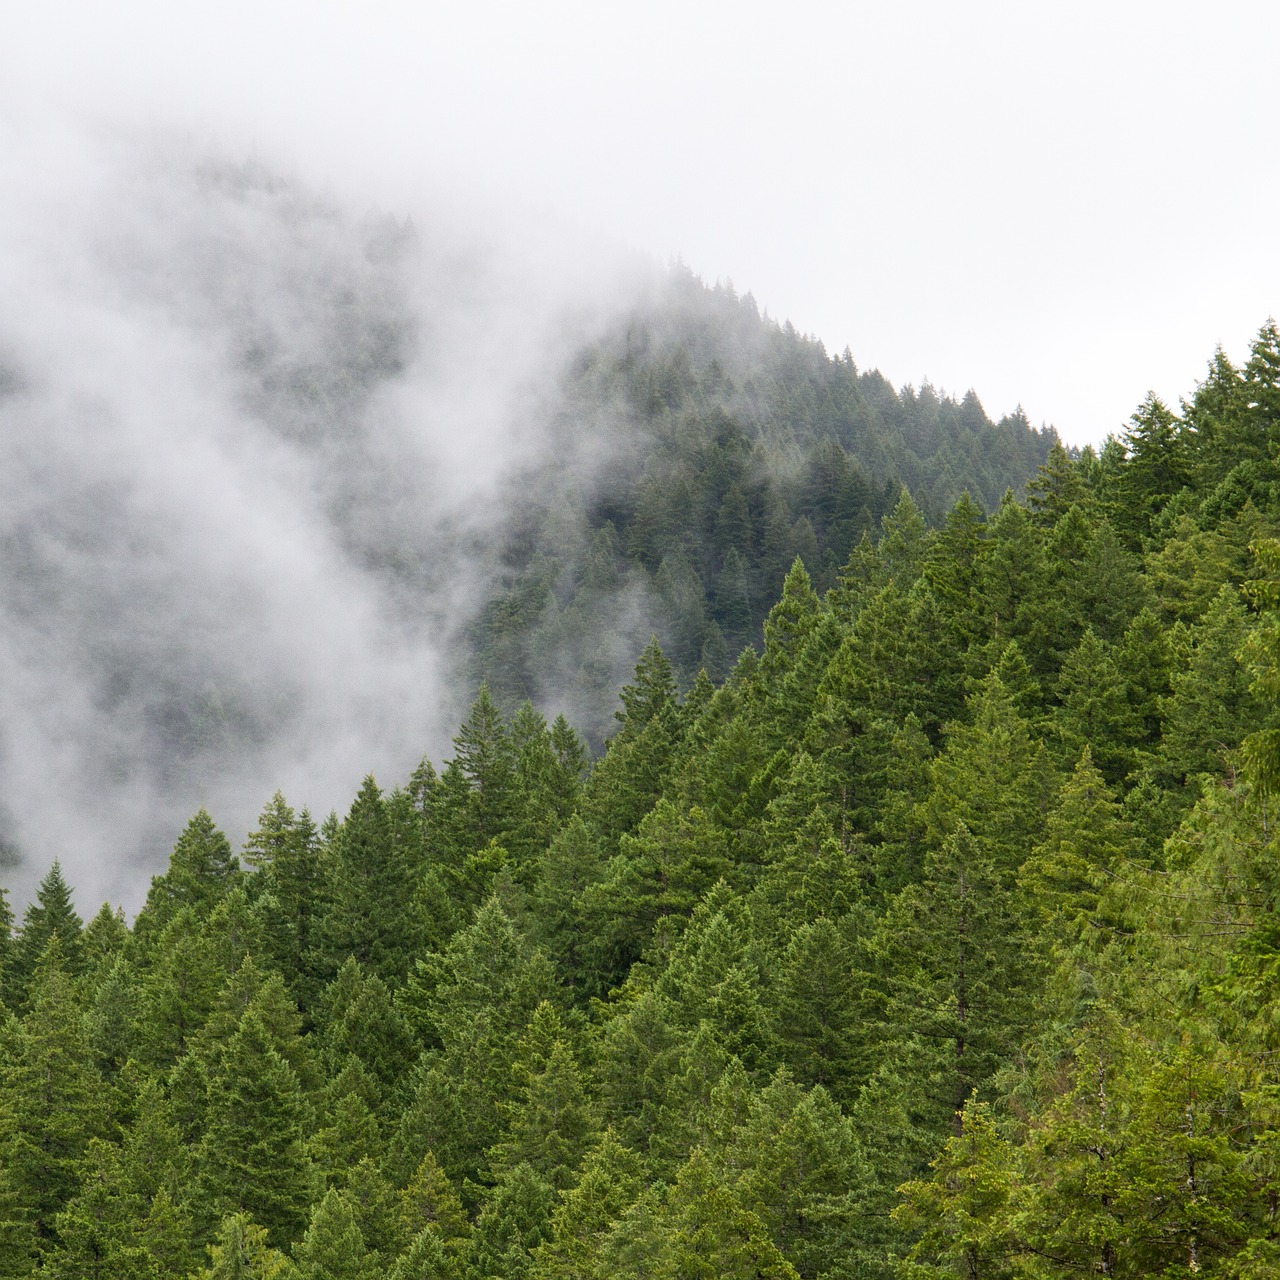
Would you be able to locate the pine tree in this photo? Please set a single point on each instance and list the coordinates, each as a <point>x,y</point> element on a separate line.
<point>372,886</point>
<point>1210,708</point>
<point>957,973</point>
<point>552,1125</point>
<point>253,1157</point>
<point>1095,708</point>
<point>428,1202</point>
<point>178,990</point>
<point>611,1181</point>
<point>426,1259</point>
<point>700,1228</point>
<point>51,1107</point>
<point>991,778</point>
<point>333,1247</point>
<point>513,1223</point>
<point>51,912</point>
<point>1014,586</point>
<point>1055,487</point>
<point>571,865</point>
<point>285,848</point>
<point>241,1252</point>
<point>797,1165</point>
<point>1086,840</point>
<point>952,568</point>
<point>818,1013</point>
<point>202,869</point>
<point>962,1216</point>
<point>1158,466</point>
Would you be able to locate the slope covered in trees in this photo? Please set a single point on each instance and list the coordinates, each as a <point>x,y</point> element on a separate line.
<point>937,939</point>
<point>290,483</point>
<point>698,449</point>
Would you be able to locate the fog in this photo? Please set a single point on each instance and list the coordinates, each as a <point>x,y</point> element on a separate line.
<point>256,440</point>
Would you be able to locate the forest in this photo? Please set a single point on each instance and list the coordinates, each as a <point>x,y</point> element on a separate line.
<point>934,935</point>
<point>718,447</point>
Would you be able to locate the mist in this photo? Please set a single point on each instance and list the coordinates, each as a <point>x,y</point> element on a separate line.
<point>257,441</point>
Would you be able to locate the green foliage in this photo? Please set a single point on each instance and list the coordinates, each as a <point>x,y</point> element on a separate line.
<point>938,939</point>
<point>241,1252</point>
<point>253,1158</point>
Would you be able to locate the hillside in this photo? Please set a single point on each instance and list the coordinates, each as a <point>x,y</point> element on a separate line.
<point>696,450</point>
<point>287,482</point>
<point>938,939</point>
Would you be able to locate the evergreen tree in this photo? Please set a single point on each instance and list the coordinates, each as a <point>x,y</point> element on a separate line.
<point>1055,488</point>
<point>51,1107</point>
<point>241,1252</point>
<point>1095,709</point>
<point>515,1220</point>
<point>611,1181</point>
<point>50,913</point>
<point>285,848</point>
<point>333,1247</point>
<point>991,778</point>
<point>957,974</point>
<point>372,884</point>
<point>253,1158</point>
<point>202,869</point>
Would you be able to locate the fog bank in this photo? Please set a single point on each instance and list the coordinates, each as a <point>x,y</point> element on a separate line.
<point>255,441</point>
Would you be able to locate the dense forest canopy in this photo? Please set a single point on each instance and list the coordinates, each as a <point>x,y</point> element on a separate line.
<point>937,938</point>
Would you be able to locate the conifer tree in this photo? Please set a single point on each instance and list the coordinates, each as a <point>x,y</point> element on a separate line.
<point>51,1107</point>
<point>623,785</point>
<point>241,1252</point>
<point>357,1017</point>
<point>178,989</point>
<point>798,1166</point>
<point>1012,584</point>
<point>570,866</point>
<point>700,1228</point>
<point>51,912</point>
<point>552,1125</point>
<point>253,1157</point>
<point>1087,839</point>
<point>333,1247</point>
<point>992,778</point>
<point>105,938</point>
<point>1055,487</point>
<point>201,870</point>
<point>1095,710</point>
<point>819,1023</point>
<point>952,569</point>
<point>482,750</point>
<point>1158,466</point>
<point>515,1220</point>
<point>1210,707</point>
<point>428,1202</point>
<point>957,975</point>
<point>372,884</point>
<point>285,848</point>
<point>611,1181</point>
<point>426,1259</point>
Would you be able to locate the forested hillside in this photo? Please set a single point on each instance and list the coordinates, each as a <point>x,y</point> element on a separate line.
<point>696,449</point>
<point>287,483</point>
<point>938,938</point>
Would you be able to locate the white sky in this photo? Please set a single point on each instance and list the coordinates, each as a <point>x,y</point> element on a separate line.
<point>1057,204</point>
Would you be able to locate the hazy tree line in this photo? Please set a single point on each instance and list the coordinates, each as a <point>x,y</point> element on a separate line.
<point>698,448</point>
<point>938,938</point>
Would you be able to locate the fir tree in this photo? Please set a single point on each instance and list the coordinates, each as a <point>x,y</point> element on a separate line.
<point>253,1157</point>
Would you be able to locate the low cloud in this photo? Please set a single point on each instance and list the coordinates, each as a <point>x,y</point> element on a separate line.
<point>256,442</point>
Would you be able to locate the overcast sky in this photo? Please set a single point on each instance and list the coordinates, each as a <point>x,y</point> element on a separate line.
<point>1058,205</point>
